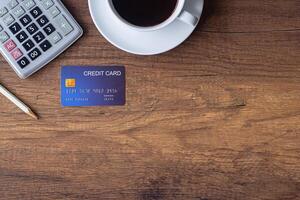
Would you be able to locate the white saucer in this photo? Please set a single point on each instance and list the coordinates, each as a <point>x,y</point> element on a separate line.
<point>142,43</point>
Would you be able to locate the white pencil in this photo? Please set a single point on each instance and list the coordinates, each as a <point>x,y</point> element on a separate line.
<point>17,102</point>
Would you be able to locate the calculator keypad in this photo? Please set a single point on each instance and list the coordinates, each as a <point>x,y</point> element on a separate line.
<point>39,37</point>
<point>55,38</point>
<point>18,11</point>
<point>16,54</point>
<point>12,3</point>
<point>42,21</point>
<point>15,28</point>
<point>3,37</point>
<point>34,54</point>
<point>3,11</point>
<point>29,28</point>
<point>28,4</point>
<point>47,4</point>
<point>45,46</point>
<point>36,12</point>
<point>28,45</point>
<point>25,20</point>
<point>23,62</point>
<point>22,36</point>
<point>8,19</point>
<point>32,28</point>
<point>54,11</point>
<point>64,25</point>
<point>10,45</point>
<point>49,29</point>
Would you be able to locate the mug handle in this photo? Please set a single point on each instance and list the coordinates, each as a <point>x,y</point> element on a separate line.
<point>188,18</point>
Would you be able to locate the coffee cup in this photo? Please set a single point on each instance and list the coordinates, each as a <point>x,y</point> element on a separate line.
<point>151,15</point>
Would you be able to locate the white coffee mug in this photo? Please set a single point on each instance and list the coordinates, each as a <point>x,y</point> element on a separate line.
<point>178,14</point>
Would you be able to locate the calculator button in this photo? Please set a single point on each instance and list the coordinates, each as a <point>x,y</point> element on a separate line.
<point>8,19</point>
<point>12,3</point>
<point>55,38</point>
<point>18,11</point>
<point>54,11</point>
<point>15,28</point>
<point>4,37</point>
<point>23,62</point>
<point>10,45</point>
<point>25,20</point>
<point>45,45</point>
<point>16,54</point>
<point>28,4</point>
<point>34,54</point>
<point>47,4</point>
<point>36,12</point>
<point>3,11</point>
<point>64,25</point>
<point>42,21</point>
<point>32,28</point>
<point>22,36</point>
<point>49,29</point>
<point>39,37</point>
<point>28,45</point>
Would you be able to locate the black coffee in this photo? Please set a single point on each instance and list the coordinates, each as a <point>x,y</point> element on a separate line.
<point>145,13</point>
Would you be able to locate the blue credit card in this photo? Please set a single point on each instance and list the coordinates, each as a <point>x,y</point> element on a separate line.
<point>93,86</point>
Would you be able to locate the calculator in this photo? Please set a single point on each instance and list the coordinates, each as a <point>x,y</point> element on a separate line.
<point>34,32</point>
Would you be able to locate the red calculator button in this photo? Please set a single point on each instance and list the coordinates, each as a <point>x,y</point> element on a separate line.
<point>16,54</point>
<point>10,45</point>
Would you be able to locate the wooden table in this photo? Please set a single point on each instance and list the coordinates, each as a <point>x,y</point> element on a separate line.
<point>216,119</point>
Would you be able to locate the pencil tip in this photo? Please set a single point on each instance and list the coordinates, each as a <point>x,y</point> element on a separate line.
<point>33,115</point>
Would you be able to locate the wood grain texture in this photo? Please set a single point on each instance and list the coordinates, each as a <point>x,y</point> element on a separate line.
<point>218,118</point>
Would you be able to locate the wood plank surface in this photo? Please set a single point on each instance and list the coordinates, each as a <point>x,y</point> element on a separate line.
<point>217,118</point>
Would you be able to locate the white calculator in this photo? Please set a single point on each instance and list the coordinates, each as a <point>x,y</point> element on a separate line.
<point>34,32</point>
